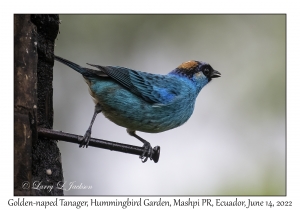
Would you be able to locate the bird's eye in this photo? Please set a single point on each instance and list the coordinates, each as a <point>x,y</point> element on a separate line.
<point>206,72</point>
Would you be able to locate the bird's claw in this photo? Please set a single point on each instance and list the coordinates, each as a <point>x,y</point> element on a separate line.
<point>84,142</point>
<point>148,151</point>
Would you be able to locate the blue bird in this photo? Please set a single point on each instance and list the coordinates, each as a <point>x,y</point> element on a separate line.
<point>141,101</point>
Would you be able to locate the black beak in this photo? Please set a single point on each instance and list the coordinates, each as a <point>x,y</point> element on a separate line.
<point>215,74</point>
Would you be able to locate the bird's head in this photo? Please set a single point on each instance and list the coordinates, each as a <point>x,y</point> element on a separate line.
<point>199,72</point>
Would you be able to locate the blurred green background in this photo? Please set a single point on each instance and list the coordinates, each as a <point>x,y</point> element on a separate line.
<point>234,143</point>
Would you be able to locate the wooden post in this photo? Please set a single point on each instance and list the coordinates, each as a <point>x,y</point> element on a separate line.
<point>36,160</point>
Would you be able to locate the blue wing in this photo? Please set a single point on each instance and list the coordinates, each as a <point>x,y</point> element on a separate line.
<point>153,88</point>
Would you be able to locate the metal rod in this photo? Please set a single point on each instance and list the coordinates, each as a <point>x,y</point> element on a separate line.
<point>99,143</point>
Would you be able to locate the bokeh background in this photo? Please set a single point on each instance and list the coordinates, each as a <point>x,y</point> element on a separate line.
<point>234,143</point>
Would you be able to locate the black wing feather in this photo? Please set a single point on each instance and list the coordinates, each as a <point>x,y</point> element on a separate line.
<point>134,81</point>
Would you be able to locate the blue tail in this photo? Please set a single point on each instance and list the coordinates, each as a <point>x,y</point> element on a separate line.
<point>86,72</point>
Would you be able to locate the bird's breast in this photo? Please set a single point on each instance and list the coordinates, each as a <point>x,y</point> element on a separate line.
<point>130,111</point>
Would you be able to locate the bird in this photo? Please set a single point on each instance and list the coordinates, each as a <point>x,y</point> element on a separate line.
<point>142,101</point>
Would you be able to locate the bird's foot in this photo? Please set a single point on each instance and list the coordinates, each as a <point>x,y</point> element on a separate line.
<point>148,151</point>
<point>84,142</point>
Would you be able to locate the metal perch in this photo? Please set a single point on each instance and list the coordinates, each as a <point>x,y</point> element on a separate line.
<point>100,143</point>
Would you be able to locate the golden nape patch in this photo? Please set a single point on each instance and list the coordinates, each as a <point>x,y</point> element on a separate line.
<point>188,65</point>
